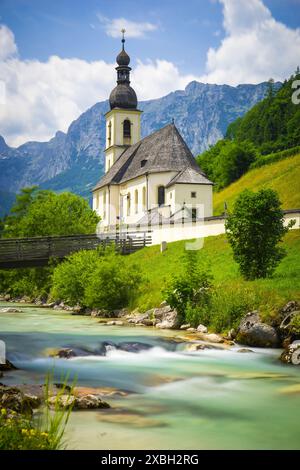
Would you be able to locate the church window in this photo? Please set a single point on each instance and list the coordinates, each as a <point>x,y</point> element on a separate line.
<point>144,198</point>
<point>136,201</point>
<point>128,203</point>
<point>143,163</point>
<point>193,194</point>
<point>194,213</point>
<point>161,195</point>
<point>127,131</point>
<point>109,134</point>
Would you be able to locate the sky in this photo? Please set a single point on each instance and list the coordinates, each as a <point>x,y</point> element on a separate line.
<point>57,57</point>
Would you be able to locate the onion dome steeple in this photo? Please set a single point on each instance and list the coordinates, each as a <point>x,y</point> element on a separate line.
<point>123,96</point>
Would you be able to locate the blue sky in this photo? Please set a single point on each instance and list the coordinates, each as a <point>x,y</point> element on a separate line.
<point>57,57</point>
<point>71,28</point>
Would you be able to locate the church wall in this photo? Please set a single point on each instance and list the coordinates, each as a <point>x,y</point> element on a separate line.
<point>136,210</point>
<point>204,197</point>
<point>154,181</point>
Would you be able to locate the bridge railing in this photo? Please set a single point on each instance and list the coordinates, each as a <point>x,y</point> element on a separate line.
<point>37,251</point>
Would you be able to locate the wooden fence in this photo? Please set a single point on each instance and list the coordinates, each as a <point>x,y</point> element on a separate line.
<point>37,251</point>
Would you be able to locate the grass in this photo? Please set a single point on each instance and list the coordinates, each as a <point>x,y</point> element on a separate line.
<point>282,176</point>
<point>233,295</point>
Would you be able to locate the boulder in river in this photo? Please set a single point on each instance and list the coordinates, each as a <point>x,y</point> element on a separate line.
<point>86,402</point>
<point>167,317</point>
<point>7,366</point>
<point>14,399</point>
<point>253,332</point>
<point>10,310</point>
<point>185,327</point>
<point>202,329</point>
<point>291,355</point>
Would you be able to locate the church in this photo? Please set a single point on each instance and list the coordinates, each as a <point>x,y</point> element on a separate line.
<point>146,180</point>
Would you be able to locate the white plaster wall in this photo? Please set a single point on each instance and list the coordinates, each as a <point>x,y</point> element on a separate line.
<point>203,196</point>
<point>154,181</point>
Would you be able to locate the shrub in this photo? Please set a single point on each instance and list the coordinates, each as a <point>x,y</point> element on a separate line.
<point>112,284</point>
<point>71,277</point>
<point>254,229</point>
<point>96,279</point>
<point>190,292</point>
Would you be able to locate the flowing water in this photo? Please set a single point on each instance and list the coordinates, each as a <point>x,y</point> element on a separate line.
<point>208,399</point>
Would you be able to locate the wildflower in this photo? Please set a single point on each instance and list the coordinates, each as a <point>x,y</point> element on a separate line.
<point>44,434</point>
<point>24,431</point>
<point>3,411</point>
<point>32,432</point>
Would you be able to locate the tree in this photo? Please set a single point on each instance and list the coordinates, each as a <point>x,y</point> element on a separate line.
<point>254,229</point>
<point>41,213</point>
<point>227,161</point>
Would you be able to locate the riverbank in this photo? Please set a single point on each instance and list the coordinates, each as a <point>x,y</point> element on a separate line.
<point>164,393</point>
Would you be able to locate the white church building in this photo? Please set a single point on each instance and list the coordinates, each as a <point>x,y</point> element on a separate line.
<point>151,182</point>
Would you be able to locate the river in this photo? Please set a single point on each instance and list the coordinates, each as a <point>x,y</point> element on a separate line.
<point>173,398</point>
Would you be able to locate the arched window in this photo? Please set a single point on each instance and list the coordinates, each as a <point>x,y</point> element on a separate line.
<point>136,201</point>
<point>161,195</point>
<point>128,203</point>
<point>109,134</point>
<point>126,132</point>
<point>144,198</point>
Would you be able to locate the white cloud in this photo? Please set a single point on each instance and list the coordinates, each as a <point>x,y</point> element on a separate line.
<point>165,77</point>
<point>134,29</point>
<point>43,97</point>
<point>8,46</point>
<point>255,48</point>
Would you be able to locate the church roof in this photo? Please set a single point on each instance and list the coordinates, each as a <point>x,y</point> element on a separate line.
<point>164,150</point>
<point>189,176</point>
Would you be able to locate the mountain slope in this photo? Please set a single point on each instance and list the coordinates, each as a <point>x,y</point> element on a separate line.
<point>74,160</point>
<point>282,176</point>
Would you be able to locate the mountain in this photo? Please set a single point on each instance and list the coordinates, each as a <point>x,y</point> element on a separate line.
<point>269,131</point>
<point>74,160</point>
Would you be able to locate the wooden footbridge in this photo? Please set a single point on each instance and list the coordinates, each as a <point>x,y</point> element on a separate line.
<point>37,251</point>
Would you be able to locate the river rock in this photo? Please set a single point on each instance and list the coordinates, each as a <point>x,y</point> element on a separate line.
<point>185,327</point>
<point>211,337</point>
<point>7,366</point>
<point>244,350</point>
<point>191,330</point>
<point>10,310</point>
<point>14,399</point>
<point>86,402</point>
<point>65,353</point>
<point>115,322</point>
<point>202,329</point>
<point>253,332</point>
<point>291,355</point>
<point>167,317</point>
<point>231,334</point>
<point>133,347</point>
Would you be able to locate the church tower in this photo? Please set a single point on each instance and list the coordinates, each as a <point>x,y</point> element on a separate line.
<point>123,121</point>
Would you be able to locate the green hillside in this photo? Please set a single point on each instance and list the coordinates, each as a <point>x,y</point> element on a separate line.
<point>282,176</point>
<point>232,291</point>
